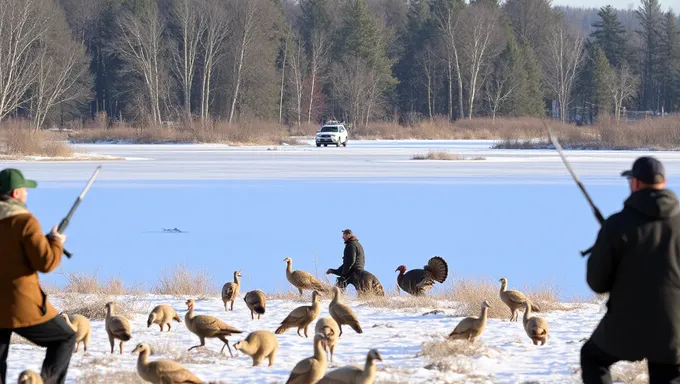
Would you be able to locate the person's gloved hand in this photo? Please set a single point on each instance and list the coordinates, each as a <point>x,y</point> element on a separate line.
<point>329,271</point>
<point>56,235</point>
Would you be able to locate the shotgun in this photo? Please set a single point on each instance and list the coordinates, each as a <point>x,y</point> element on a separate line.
<point>596,211</point>
<point>66,220</point>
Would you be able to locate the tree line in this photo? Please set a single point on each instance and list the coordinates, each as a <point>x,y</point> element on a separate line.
<point>300,61</point>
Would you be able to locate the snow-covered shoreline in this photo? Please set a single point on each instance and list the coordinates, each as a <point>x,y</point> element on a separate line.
<point>503,354</point>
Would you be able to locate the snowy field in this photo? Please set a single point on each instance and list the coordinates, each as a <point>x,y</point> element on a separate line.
<point>515,214</point>
<point>503,354</point>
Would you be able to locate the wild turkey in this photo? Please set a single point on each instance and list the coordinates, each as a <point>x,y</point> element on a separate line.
<point>418,281</point>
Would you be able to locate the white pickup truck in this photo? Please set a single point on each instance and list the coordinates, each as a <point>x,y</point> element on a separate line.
<point>332,133</point>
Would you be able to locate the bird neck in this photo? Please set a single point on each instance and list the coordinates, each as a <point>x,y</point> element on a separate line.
<point>109,312</point>
<point>190,313</point>
<point>236,279</point>
<point>527,313</point>
<point>485,311</point>
<point>503,286</point>
<point>336,297</point>
<point>289,267</point>
<point>143,357</point>
<point>400,276</point>
<point>369,369</point>
<point>319,353</point>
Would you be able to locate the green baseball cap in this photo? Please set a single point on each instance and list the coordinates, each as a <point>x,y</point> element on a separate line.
<point>11,179</point>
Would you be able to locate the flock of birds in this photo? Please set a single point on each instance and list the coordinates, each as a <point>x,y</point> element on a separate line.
<point>263,344</point>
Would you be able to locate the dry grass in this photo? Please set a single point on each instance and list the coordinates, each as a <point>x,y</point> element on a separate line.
<point>181,281</point>
<point>471,293</point>
<point>18,138</point>
<point>479,129</point>
<point>443,155</point>
<point>94,306</point>
<point>651,134</point>
<point>242,133</point>
<point>121,377</point>
<point>454,356</point>
<point>90,284</point>
<point>630,372</point>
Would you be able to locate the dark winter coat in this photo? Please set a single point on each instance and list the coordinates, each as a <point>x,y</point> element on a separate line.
<point>24,251</point>
<point>636,259</point>
<point>353,258</point>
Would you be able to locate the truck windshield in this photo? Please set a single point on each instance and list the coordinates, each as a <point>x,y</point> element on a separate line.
<point>329,129</point>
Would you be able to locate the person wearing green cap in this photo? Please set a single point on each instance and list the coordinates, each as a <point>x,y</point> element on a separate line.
<point>24,308</point>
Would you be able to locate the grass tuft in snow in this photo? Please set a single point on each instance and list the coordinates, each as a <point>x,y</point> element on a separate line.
<point>471,293</point>
<point>90,284</point>
<point>443,155</point>
<point>181,281</point>
<point>630,372</point>
<point>94,306</point>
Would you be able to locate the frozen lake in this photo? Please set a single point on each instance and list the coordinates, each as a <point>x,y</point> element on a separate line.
<point>516,214</point>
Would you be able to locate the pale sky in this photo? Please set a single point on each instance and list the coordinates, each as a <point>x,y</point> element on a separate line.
<point>620,4</point>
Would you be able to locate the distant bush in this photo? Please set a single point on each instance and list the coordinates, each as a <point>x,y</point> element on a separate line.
<point>181,281</point>
<point>18,138</point>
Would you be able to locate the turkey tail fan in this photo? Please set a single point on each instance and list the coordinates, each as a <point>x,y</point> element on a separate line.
<point>439,269</point>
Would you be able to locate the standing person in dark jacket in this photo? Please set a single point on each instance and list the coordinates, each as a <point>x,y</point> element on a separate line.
<point>636,259</point>
<point>24,309</point>
<point>352,269</point>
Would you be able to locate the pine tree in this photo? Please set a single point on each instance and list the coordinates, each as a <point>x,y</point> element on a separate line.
<point>650,18</point>
<point>601,73</point>
<point>670,63</point>
<point>533,105</point>
<point>610,35</point>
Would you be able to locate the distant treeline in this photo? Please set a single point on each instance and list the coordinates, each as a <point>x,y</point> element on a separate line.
<point>298,61</point>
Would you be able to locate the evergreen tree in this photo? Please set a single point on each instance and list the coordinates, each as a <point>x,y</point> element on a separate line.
<point>601,73</point>
<point>610,35</point>
<point>533,99</point>
<point>670,63</point>
<point>650,18</point>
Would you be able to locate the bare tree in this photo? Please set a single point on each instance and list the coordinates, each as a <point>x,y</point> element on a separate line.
<point>247,20</point>
<point>59,78</point>
<point>297,77</point>
<point>499,87</point>
<point>283,75</point>
<point>622,85</point>
<point>190,26</point>
<point>140,44</point>
<point>213,47</point>
<point>23,24</point>
<point>563,63</point>
<point>479,44</point>
<point>448,22</point>
<point>320,49</point>
<point>427,62</point>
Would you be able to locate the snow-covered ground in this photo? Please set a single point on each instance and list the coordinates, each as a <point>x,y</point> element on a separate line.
<point>247,208</point>
<point>504,355</point>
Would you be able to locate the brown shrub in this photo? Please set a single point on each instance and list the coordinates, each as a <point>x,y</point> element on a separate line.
<point>443,155</point>
<point>18,138</point>
<point>181,281</point>
<point>245,132</point>
<point>90,284</point>
<point>652,134</point>
<point>437,155</point>
<point>479,128</point>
